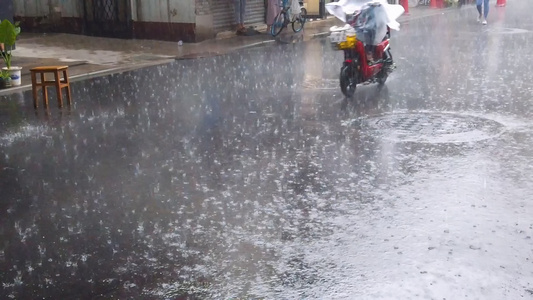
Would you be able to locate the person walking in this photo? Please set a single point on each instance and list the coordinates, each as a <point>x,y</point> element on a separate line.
<point>240,8</point>
<point>482,15</point>
<point>273,9</point>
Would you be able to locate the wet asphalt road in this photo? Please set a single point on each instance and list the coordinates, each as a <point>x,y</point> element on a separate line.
<point>242,176</point>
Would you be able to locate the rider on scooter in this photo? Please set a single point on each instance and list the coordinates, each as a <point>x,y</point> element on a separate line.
<point>371,27</point>
<point>370,18</point>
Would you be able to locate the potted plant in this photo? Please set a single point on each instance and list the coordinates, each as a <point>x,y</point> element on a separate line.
<point>8,36</point>
<point>5,79</point>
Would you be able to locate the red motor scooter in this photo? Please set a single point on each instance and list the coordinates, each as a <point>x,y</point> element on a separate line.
<point>362,63</point>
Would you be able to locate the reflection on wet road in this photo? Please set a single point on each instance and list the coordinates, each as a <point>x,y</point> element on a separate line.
<point>240,176</point>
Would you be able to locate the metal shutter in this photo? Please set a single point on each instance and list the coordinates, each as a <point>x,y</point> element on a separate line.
<point>255,12</point>
<point>223,14</point>
<point>222,11</point>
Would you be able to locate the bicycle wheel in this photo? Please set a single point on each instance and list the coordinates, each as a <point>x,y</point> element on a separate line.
<point>279,23</point>
<point>298,22</point>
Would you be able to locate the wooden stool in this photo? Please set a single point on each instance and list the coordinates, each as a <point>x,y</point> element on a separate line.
<point>57,82</point>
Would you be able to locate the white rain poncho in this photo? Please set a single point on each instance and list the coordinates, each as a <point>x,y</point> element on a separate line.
<point>375,16</point>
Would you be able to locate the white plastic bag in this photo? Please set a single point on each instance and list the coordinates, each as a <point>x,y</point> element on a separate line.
<point>295,8</point>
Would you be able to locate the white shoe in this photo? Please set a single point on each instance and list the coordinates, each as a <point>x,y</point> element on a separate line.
<point>479,19</point>
<point>484,22</point>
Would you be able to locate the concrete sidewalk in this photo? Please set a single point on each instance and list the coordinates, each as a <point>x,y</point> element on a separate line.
<point>89,56</point>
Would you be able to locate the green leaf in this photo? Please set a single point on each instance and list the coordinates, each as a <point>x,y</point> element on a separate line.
<point>8,33</point>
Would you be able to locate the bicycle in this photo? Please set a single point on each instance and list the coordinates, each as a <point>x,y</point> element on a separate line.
<point>285,17</point>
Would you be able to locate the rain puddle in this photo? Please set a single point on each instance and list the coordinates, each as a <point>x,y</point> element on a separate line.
<point>316,83</point>
<point>431,127</point>
<point>23,133</point>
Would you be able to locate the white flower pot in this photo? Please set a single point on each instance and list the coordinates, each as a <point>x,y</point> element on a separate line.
<point>15,73</point>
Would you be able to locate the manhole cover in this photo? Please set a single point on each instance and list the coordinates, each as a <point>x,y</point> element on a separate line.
<point>432,127</point>
<point>320,83</point>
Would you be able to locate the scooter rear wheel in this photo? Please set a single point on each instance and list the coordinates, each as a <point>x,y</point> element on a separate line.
<point>348,81</point>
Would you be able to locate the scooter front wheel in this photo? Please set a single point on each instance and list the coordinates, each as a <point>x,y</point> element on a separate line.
<point>348,81</point>
<point>381,77</point>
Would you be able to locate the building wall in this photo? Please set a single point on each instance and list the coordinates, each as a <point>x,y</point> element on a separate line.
<point>170,11</point>
<point>7,10</point>
<point>170,20</point>
<point>204,20</point>
<point>35,8</point>
<point>203,7</point>
<point>49,15</point>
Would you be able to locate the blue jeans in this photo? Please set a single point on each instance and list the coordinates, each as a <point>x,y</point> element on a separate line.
<point>485,7</point>
<point>240,7</point>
